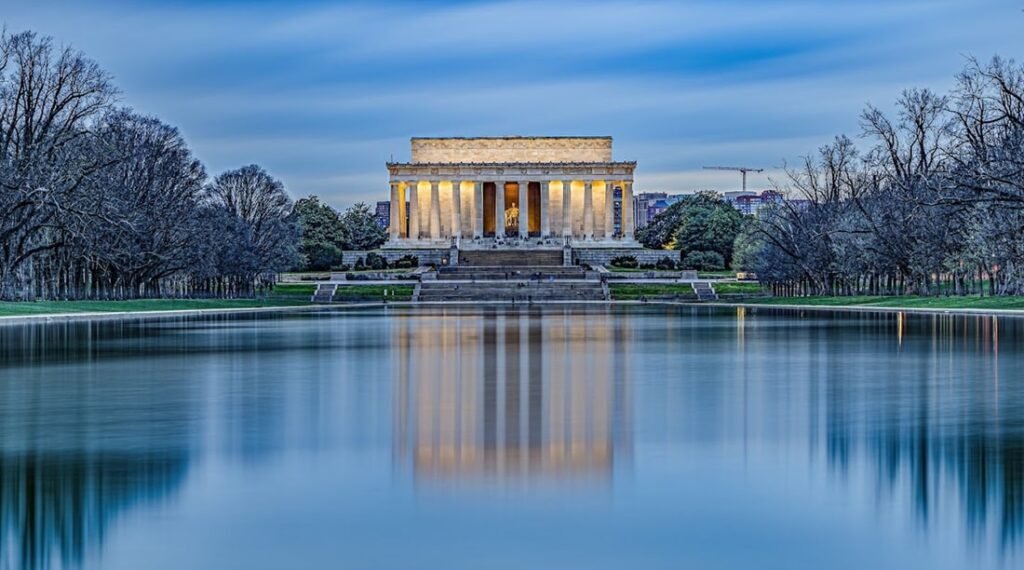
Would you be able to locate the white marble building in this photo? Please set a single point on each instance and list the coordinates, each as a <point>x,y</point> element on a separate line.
<point>537,191</point>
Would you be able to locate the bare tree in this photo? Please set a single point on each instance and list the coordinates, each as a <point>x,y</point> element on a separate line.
<point>49,100</point>
<point>936,204</point>
<point>260,201</point>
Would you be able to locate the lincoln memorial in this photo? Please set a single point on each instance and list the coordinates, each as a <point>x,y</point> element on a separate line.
<point>511,191</point>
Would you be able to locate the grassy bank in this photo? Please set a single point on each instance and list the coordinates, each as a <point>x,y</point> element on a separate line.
<point>636,291</point>
<point>909,302</point>
<point>683,291</point>
<point>354,293</point>
<point>294,290</point>
<point>311,276</point>
<point>738,288</point>
<point>138,305</point>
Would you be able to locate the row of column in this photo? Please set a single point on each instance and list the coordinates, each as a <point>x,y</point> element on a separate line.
<point>399,215</point>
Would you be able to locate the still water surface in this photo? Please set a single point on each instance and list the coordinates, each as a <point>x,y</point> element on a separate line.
<point>513,438</point>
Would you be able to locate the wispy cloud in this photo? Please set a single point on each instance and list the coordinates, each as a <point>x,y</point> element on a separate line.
<point>322,94</point>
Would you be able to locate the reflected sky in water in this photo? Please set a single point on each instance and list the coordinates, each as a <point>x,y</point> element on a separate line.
<point>511,437</point>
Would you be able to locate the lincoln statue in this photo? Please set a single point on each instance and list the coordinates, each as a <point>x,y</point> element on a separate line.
<point>512,191</point>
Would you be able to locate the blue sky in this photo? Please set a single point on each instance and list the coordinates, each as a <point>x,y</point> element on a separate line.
<point>322,94</point>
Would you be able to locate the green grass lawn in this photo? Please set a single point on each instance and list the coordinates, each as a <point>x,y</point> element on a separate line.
<point>374,292</point>
<point>701,274</point>
<point>294,289</point>
<point>57,307</point>
<point>305,276</point>
<point>617,269</point>
<point>392,270</point>
<point>738,288</point>
<point>614,269</point>
<point>910,302</point>
<point>634,291</point>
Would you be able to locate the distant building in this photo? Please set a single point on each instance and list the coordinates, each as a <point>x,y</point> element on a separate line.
<point>650,204</point>
<point>747,204</point>
<point>799,205</point>
<point>384,214</point>
<point>751,203</point>
<point>733,195</point>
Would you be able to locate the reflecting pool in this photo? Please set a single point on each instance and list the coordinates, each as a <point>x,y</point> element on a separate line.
<point>513,437</point>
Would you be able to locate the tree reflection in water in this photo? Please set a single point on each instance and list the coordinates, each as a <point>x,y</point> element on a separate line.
<point>935,419</point>
<point>101,417</point>
<point>60,507</point>
<point>81,445</point>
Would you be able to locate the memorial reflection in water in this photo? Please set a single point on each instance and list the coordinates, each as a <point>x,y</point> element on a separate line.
<point>516,394</point>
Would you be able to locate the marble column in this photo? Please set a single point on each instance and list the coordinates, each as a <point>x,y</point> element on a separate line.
<point>567,208</point>
<point>499,209</point>
<point>545,205</point>
<point>478,209</point>
<point>524,209</point>
<point>627,210</point>
<point>609,209</point>
<point>414,210</point>
<point>435,209</point>
<point>588,210</point>
<point>457,209</point>
<point>394,217</point>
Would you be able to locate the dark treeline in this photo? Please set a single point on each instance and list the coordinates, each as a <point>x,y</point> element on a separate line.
<point>933,205</point>
<point>98,202</point>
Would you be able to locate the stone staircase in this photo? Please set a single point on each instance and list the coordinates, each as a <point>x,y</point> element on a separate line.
<point>524,291</point>
<point>324,293</point>
<point>510,258</point>
<point>498,273</point>
<point>704,291</point>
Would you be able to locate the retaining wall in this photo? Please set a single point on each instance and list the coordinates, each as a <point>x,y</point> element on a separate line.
<point>595,256</point>
<point>604,256</point>
<point>436,257</point>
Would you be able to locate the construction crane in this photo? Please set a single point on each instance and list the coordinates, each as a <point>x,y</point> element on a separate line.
<point>743,169</point>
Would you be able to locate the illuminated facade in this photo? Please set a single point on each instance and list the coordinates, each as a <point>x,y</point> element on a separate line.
<point>558,188</point>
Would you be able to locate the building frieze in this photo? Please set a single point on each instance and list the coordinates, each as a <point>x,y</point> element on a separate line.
<point>508,170</point>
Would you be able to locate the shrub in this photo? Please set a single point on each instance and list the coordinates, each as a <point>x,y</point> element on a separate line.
<point>359,266</point>
<point>321,258</point>
<point>406,262</point>
<point>376,261</point>
<point>342,267</point>
<point>704,261</point>
<point>625,261</point>
<point>665,264</point>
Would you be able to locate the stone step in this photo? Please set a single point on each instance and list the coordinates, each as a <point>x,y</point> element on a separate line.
<point>508,275</point>
<point>510,258</point>
<point>495,273</point>
<point>505,291</point>
<point>324,293</point>
<point>704,291</point>
<point>505,268</point>
<point>502,285</point>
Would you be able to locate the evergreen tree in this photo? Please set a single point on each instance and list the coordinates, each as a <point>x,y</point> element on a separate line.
<point>322,234</point>
<point>702,222</point>
<point>360,230</point>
